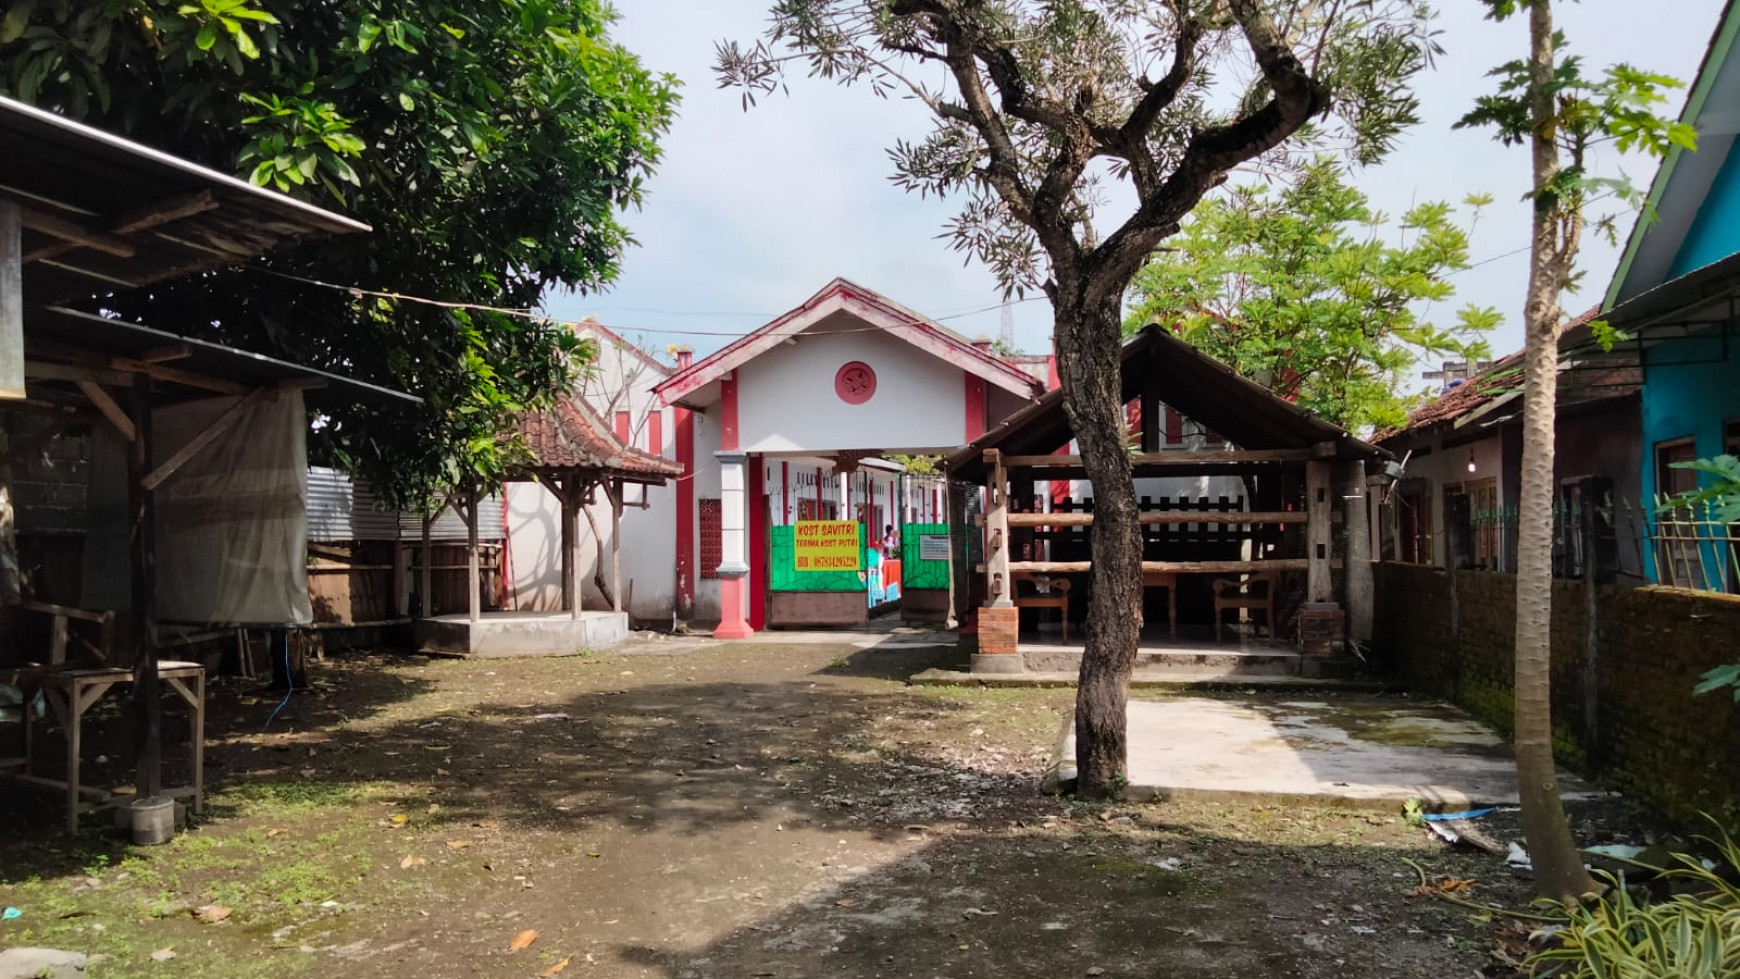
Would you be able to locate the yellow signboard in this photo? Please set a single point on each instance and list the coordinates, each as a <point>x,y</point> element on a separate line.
<point>827,545</point>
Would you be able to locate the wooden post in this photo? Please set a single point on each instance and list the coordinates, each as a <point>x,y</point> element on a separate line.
<point>568,491</point>
<point>1000,593</point>
<point>401,592</point>
<point>613,488</point>
<point>1319,587</point>
<point>143,558</point>
<point>1357,574</point>
<point>474,577</point>
<point>425,574</point>
<point>11,301</point>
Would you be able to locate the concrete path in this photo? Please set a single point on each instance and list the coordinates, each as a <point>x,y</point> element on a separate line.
<point>1361,751</point>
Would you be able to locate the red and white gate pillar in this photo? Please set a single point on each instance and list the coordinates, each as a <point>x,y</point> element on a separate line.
<point>733,546</point>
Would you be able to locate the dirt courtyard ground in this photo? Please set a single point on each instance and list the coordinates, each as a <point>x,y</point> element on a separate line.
<point>742,810</point>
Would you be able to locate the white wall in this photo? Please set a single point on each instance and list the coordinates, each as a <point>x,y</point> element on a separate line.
<point>620,381</point>
<point>786,400</point>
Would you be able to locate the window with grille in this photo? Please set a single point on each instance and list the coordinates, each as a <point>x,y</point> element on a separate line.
<point>712,550</point>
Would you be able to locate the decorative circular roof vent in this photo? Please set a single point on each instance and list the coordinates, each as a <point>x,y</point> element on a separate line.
<point>855,383</point>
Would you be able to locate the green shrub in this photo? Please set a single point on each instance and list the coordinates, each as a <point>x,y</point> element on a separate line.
<point>1695,935</point>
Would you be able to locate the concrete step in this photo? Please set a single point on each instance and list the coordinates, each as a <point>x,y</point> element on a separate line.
<point>1219,660</point>
<point>1225,662</point>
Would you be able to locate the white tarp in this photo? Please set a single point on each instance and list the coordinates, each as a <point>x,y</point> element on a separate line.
<point>231,528</point>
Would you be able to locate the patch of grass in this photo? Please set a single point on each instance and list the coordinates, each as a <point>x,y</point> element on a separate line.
<point>274,799</point>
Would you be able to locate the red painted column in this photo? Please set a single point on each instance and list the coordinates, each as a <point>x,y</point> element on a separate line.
<point>784,493</point>
<point>975,405</point>
<point>685,425</point>
<point>733,488</point>
<point>758,543</point>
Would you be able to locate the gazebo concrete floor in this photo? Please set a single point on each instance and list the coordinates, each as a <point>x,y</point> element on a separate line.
<point>520,633</point>
<point>1359,752</point>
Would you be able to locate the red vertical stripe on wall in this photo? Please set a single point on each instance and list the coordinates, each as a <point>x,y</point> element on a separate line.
<point>784,493</point>
<point>623,423</point>
<point>1174,426</point>
<point>728,412</point>
<point>975,405</point>
<point>655,433</point>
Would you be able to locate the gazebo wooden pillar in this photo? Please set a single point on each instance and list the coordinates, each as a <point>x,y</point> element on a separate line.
<point>999,621</point>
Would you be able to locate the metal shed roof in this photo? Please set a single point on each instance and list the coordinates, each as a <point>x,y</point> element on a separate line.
<point>1203,389</point>
<point>91,341</point>
<point>103,213</point>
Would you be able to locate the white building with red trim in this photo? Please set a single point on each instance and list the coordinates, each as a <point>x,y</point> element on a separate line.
<point>792,421</point>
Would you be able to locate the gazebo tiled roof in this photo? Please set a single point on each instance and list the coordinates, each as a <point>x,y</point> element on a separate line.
<point>571,436</point>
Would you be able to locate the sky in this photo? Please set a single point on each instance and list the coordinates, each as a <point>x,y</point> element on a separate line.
<point>751,212</point>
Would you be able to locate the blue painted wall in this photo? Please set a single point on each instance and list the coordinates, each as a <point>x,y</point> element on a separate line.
<point>1715,233</point>
<point>1690,387</point>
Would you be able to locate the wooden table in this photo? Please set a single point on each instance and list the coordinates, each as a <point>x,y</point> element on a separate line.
<point>1169,581</point>
<point>71,691</point>
<point>1150,579</point>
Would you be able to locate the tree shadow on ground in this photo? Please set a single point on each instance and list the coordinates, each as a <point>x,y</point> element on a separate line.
<point>810,819</point>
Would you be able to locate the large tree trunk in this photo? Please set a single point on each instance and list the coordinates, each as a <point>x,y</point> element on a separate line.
<point>1089,341</point>
<point>1558,867</point>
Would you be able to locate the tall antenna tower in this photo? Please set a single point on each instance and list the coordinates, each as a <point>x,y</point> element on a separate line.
<point>1007,330</point>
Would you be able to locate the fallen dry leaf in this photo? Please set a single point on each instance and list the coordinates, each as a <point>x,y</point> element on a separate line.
<point>846,902</point>
<point>487,824</point>
<point>274,832</point>
<point>400,819</point>
<point>523,940</point>
<point>558,967</point>
<point>211,914</point>
<point>434,807</point>
<point>409,862</point>
<point>458,844</point>
<point>163,954</point>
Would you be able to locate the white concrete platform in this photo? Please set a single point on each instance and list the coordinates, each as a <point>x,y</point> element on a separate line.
<point>520,633</point>
<point>1364,752</point>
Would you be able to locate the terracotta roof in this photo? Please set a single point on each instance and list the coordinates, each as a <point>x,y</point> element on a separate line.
<point>572,436</point>
<point>1504,377</point>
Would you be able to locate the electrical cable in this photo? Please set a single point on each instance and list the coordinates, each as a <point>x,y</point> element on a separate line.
<point>289,684</point>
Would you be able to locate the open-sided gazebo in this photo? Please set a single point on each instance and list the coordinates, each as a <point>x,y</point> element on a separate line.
<point>576,456</point>
<point>1298,474</point>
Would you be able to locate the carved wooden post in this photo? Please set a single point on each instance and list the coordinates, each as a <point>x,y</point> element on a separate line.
<point>1357,573</point>
<point>1318,585</point>
<point>999,621</point>
<point>1000,591</point>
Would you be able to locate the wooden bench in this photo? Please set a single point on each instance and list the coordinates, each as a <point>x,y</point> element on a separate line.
<point>1055,595</point>
<point>1254,592</point>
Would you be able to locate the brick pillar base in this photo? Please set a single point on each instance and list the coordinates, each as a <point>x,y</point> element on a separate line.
<point>999,644</point>
<point>1323,640</point>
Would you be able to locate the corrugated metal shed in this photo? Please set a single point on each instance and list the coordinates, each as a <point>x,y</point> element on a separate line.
<point>340,509</point>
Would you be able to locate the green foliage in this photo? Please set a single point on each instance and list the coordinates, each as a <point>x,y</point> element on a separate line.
<point>919,465</point>
<point>1722,498</point>
<point>1025,94</point>
<point>1694,935</point>
<point>1300,290</point>
<point>491,144</point>
<point>1721,493</point>
<point>1618,107</point>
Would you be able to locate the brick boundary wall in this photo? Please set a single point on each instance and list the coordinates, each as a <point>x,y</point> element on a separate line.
<point>1627,718</point>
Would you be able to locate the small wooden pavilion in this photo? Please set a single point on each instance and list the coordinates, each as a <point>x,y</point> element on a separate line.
<point>576,455</point>
<point>1299,474</point>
